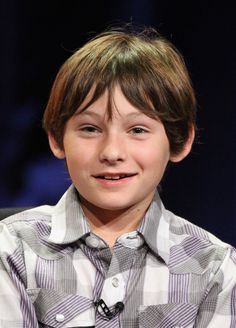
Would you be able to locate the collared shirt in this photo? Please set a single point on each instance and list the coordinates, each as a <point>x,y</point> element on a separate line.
<point>169,273</point>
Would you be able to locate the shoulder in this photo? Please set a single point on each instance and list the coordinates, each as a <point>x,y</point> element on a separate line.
<point>181,228</point>
<point>40,213</point>
<point>193,249</point>
<point>26,223</point>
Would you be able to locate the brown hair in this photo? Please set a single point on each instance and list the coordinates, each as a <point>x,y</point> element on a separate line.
<point>150,71</point>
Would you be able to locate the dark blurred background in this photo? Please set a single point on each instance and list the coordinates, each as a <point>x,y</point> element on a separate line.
<point>38,36</point>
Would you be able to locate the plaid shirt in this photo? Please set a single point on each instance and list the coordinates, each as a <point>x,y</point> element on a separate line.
<point>169,273</point>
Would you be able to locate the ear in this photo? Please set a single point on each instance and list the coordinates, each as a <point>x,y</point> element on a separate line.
<point>187,147</point>
<point>55,148</point>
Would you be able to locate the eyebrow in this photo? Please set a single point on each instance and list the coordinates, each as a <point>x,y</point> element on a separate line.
<point>135,114</point>
<point>89,113</point>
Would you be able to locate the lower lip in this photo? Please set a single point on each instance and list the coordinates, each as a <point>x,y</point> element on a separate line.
<point>112,183</point>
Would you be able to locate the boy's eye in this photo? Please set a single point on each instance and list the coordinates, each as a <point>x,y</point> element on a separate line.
<point>89,129</point>
<point>138,130</point>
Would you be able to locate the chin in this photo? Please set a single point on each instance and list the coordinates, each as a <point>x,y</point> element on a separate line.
<point>113,204</point>
<point>114,207</point>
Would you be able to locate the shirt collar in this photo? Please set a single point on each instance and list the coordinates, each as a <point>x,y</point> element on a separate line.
<point>69,223</point>
<point>155,228</point>
<point>68,220</point>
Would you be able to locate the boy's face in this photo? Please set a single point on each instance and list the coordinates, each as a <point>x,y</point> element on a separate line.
<point>115,164</point>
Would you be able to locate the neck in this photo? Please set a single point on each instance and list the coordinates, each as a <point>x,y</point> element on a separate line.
<point>110,224</point>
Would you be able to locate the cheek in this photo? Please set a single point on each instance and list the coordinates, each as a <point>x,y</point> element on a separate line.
<point>153,157</point>
<point>79,159</point>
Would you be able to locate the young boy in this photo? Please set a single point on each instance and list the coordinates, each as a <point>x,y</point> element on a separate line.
<point>109,254</point>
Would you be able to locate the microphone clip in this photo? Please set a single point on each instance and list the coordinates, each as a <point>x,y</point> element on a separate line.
<point>107,313</point>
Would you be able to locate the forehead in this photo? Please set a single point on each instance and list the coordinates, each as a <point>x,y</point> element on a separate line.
<point>112,102</point>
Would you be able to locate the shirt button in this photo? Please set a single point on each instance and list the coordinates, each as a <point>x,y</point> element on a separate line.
<point>92,242</point>
<point>115,282</point>
<point>60,317</point>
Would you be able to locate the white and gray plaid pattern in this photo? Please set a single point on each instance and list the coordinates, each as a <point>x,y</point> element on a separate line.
<point>169,273</point>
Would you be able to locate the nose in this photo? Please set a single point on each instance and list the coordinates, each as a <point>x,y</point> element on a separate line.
<point>112,149</point>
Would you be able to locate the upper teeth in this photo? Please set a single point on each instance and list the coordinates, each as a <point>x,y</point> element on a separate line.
<point>114,177</point>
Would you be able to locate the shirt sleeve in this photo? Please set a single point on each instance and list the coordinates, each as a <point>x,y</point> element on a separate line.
<point>16,308</point>
<point>218,308</point>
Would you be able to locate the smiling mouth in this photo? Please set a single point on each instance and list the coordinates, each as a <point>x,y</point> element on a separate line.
<point>114,177</point>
